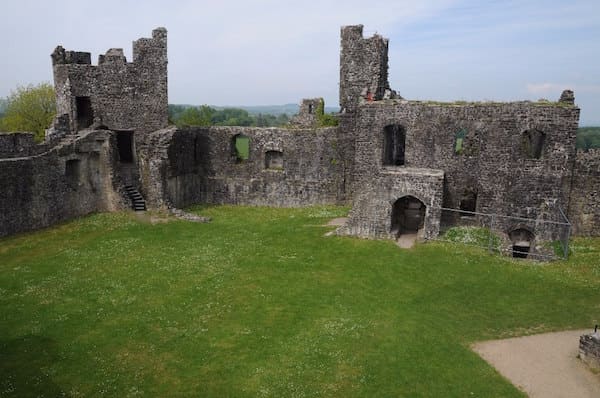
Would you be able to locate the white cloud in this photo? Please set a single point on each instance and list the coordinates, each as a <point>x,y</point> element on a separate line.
<point>551,88</point>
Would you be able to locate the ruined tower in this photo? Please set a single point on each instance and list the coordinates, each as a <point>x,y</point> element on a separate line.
<point>115,94</point>
<point>363,68</point>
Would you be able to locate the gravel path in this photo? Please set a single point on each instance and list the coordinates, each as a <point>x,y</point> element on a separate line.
<point>544,365</point>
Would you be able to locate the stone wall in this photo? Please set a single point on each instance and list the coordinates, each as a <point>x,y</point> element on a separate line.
<point>68,181</point>
<point>584,206</point>
<point>14,145</point>
<point>589,349</point>
<point>492,161</point>
<point>295,167</point>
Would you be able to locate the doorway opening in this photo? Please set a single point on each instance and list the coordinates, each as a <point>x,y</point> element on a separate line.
<point>408,216</point>
<point>125,146</point>
<point>85,113</point>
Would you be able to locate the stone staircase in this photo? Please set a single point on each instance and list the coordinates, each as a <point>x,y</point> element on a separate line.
<point>137,201</point>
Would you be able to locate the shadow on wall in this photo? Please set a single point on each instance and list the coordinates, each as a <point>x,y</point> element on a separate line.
<point>23,368</point>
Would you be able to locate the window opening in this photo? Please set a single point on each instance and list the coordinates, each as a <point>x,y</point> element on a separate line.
<point>459,140</point>
<point>274,160</point>
<point>85,113</point>
<point>241,147</point>
<point>394,145</point>
<point>533,143</point>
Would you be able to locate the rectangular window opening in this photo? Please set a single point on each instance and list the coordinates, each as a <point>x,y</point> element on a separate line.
<point>85,113</point>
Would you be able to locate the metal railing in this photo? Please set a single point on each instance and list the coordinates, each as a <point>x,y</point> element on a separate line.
<point>489,231</point>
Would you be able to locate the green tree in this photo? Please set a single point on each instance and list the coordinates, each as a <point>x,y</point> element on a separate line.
<point>195,116</point>
<point>30,108</point>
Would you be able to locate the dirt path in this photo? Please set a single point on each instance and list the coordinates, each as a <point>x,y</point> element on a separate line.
<point>544,365</point>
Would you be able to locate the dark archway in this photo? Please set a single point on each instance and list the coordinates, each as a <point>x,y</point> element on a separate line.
<point>522,240</point>
<point>408,215</point>
<point>468,201</point>
<point>394,140</point>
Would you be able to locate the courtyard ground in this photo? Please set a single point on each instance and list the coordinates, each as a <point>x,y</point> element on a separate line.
<point>259,302</point>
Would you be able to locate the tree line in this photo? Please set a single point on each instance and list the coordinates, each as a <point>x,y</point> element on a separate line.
<point>588,138</point>
<point>204,115</point>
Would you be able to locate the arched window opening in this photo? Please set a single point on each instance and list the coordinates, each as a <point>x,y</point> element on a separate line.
<point>521,240</point>
<point>274,160</point>
<point>394,145</point>
<point>532,142</point>
<point>240,147</point>
<point>408,215</point>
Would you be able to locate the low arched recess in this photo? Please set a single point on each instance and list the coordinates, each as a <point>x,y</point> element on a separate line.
<point>522,242</point>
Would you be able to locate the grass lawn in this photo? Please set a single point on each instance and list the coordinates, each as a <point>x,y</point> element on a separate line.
<point>259,303</point>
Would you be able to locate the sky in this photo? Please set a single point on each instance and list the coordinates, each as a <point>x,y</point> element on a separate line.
<point>267,52</point>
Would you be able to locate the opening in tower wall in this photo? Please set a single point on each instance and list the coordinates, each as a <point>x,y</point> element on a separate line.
<point>408,215</point>
<point>85,113</point>
<point>394,145</point>
<point>125,146</point>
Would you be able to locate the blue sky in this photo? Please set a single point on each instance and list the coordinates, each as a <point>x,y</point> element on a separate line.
<point>274,52</point>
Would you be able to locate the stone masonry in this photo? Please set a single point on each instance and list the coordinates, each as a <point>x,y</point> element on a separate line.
<point>397,162</point>
<point>589,349</point>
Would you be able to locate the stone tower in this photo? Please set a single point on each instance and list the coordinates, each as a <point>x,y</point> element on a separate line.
<point>115,94</point>
<point>363,68</point>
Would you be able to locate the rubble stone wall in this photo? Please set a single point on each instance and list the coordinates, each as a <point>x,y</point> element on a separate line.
<point>67,182</point>
<point>199,165</point>
<point>584,206</point>
<point>492,160</point>
<point>14,145</point>
<point>589,349</point>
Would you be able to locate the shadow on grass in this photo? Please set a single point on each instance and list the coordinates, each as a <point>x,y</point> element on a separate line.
<point>24,368</point>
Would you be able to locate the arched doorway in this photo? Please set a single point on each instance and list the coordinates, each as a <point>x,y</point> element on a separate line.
<point>408,216</point>
<point>521,239</point>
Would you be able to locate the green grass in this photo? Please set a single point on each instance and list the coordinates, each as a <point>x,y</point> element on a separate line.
<point>242,147</point>
<point>259,303</point>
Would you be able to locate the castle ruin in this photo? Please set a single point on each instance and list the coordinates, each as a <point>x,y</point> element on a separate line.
<point>398,163</point>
